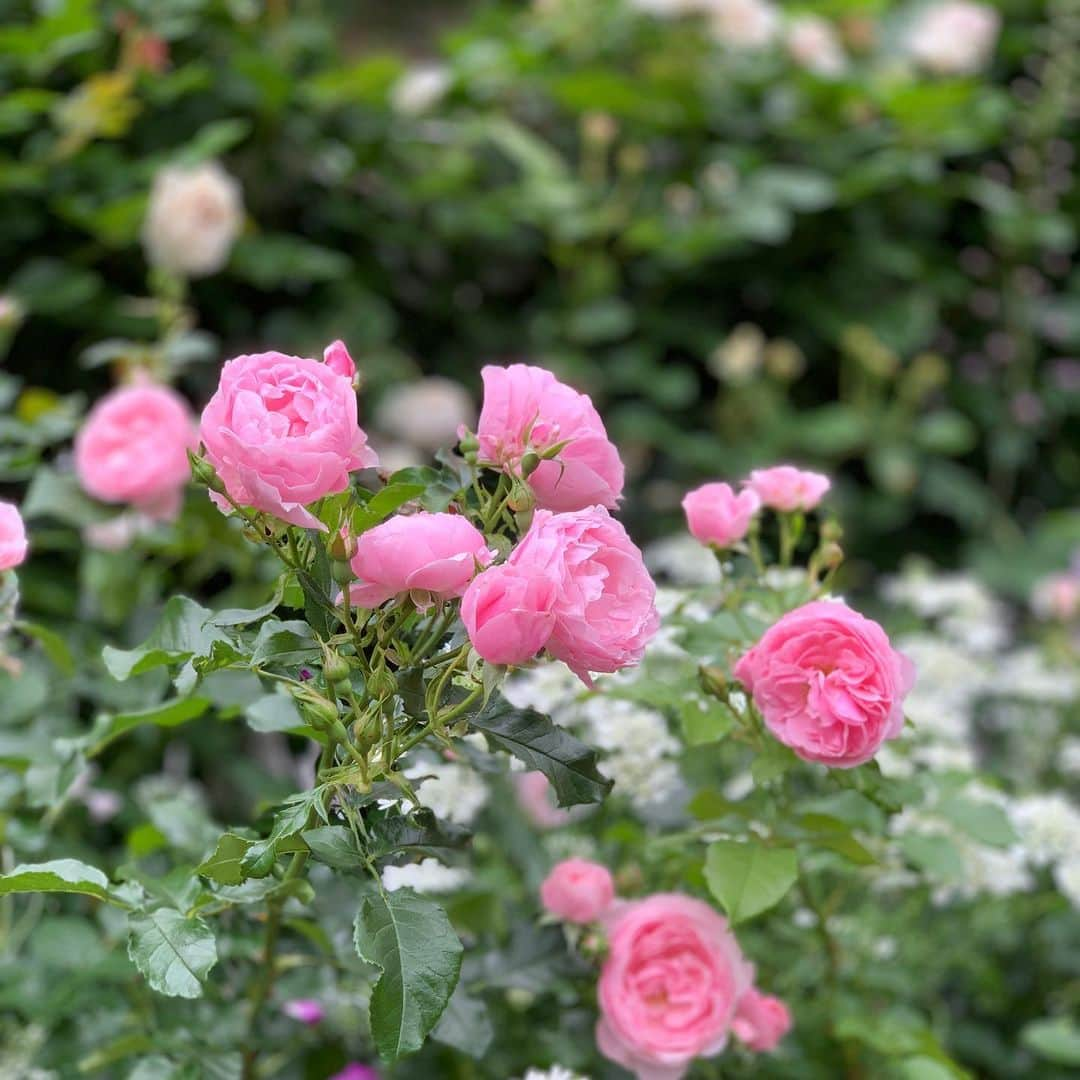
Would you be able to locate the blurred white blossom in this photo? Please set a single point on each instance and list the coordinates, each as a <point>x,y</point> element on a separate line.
<point>420,89</point>
<point>427,876</point>
<point>452,791</point>
<point>955,37</point>
<point>812,43</point>
<point>425,412</point>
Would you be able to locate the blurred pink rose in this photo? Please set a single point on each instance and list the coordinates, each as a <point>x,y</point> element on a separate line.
<point>527,408</point>
<point>670,986</point>
<point>306,1010</point>
<point>783,487</point>
<point>433,557</point>
<point>509,613</point>
<point>716,515</point>
<point>761,1021</point>
<point>282,433</point>
<point>955,37</point>
<point>605,612</point>
<point>13,543</point>
<point>355,1071</point>
<point>578,891</point>
<point>828,683</point>
<point>536,797</point>
<point>1057,597</point>
<point>133,448</point>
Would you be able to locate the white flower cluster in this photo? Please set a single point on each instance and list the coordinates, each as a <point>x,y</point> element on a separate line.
<point>427,876</point>
<point>556,1072</point>
<point>452,792</point>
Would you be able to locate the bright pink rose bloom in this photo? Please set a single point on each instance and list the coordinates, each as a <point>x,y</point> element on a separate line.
<point>761,1021</point>
<point>670,986</point>
<point>535,796</point>
<point>133,449</point>
<point>282,433</point>
<point>828,683</point>
<point>13,543</point>
<point>306,1010</point>
<point>509,613</point>
<point>605,611</point>
<point>783,487</point>
<point>716,515</point>
<point>336,357</point>
<point>527,408</point>
<point>578,891</point>
<point>433,557</point>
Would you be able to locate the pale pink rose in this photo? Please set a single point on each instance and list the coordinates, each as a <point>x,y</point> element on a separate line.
<point>670,986</point>
<point>955,37</point>
<point>133,448</point>
<point>761,1021</point>
<point>527,408</point>
<point>605,611</point>
<point>13,543</point>
<point>1057,597</point>
<point>282,433</point>
<point>743,24</point>
<point>432,557</point>
<point>812,44</point>
<point>828,683</point>
<point>306,1010</point>
<point>578,891</point>
<point>716,515</point>
<point>509,613</point>
<point>783,487</point>
<point>536,797</point>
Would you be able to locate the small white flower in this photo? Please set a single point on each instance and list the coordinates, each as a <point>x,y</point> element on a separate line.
<point>427,876</point>
<point>743,24</point>
<point>556,1072</point>
<point>955,37</point>
<point>193,219</point>
<point>1067,879</point>
<point>1049,827</point>
<point>812,43</point>
<point>425,412</point>
<point>683,561</point>
<point>420,89</point>
<point>453,792</point>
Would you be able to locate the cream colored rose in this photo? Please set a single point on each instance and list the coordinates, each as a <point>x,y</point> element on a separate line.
<point>193,219</point>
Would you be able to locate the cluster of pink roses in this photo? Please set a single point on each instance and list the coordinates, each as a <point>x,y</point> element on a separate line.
<point>718,516</point>
<point>13,542</point>
<point>674,983</point>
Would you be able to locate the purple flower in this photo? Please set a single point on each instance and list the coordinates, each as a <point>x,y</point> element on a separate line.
<point>355,1071</point>
<point>306,1010</point>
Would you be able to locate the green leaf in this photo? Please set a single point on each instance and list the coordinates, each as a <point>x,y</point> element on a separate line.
<point>935,854</point>
<point>773,761</point>
<point>706,722</point>
<point>276,260</point>
<point>383,503</point>
<point>410,939</point>
<point>181,633</point>
<point>168,714</point>
<point>334,845</point>
<point>1055,1039</point>
<point>225,865</point>
<point>52,643</point>
<point>284,643</point>
<point>59,875</point>
<point>533,738</point>
<point>982,821</point>
<point>748,879</point>
<point>465,1025</point>
<point>273,712</point>
<point>174,953</point>
<point>243,616</point>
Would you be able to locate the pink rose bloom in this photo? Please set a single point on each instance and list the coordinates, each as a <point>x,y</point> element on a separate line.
<point>955,37</point>
<point>761,1021</point>
<point>716,515</point>
<point>604,609</point>
<point>282,433</point>
<point>828,683</point>
<point>433,557</point>
<point>783,487</point>
<point>670,986</point>
<point>1057,597</point>
<point>13,543</point>
<point>355,1071</point>
<point>578,891</point>
<point>527,408</point>
<point>306,1010</point>
<point>509,613</point>
<point>133,448</point>
<point>336,357</point>
<point>535,796</point>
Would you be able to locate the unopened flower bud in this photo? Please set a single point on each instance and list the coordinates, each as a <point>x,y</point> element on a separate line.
<point>832,555</point>
<point>382,684</point>
<point>335,667</point>
<point>831,530</point>
<point>204,473</point>
<point>530,462</point>
<point>341,572</point>
<point>469,444</point>
<point>713,681</point>
<point>342,546</point>
<point>317,710</point>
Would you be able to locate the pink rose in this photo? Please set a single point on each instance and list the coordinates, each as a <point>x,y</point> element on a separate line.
<point>509,613</point>
<point>828,683</point>
<point>433,557</point>
<point>282,433</point>
<point>670,986</point>
<point>603,607</point>
<point>355,1071</point>
<point>761,1021</point>
<point>306,1010</point>
<point>716,515</point>
<point>337,358</point>
<point>13,544</point>
<point>783,487</point>
<point>527,408</point>
<point>535,796</point>
<point>1057,597</point>
<point>133,449</point>
<point>578,891</point>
